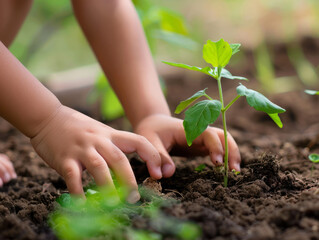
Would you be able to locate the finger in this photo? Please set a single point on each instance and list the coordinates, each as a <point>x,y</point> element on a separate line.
<point>97,167</point>
<point>168,166</point>
<point>72,174</point>
<point>4,175</point>
<point>233,153</point>
<point>130,142</point>
<point>8,165</point>
<point>213,143</point>
<point>121,167</point>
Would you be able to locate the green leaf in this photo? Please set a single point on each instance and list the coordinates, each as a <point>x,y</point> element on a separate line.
<point>206,70</point>
<point>276,119</point>
<point>189,231</point>
<point>199,116</point>
<point>312,92</point>
<point>172,21</point>
<point>217,53</point>
<point>64,200</point>
<point>200,167</point>
<point>188,101</point>
<point>226,74</point>
<point>235,172</point>
<point>261,103</point>
<point>111,107</point>
<point>235,47</point>
<point>314,157</point>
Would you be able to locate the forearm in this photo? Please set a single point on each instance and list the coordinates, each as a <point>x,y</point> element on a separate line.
<point>113,29</point>
<point>24,101</point>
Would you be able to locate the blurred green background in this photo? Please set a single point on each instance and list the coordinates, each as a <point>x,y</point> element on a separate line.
<point>51,40</point>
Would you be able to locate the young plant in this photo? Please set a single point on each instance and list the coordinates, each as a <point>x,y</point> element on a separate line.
<point>104,216</point>
<point>314,158</point>
<point>200,167</point>
<point>205,112</point>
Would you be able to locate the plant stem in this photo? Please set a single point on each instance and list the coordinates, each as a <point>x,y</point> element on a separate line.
<point>224,127</point>
<point>226,150</point>
<point>208,97</point>
<point>232,102</point>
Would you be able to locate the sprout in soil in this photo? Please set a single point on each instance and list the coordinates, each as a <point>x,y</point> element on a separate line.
<point>200,167</point>
<point>235,172</point>
<point>205,112</point>
<point>103,215</point>
<point>314,158</point>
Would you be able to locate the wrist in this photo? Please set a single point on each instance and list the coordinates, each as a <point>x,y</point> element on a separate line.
<point>41,120</point>
<point>146,107</point>
<point>149,117</point>
<point>59,118</point>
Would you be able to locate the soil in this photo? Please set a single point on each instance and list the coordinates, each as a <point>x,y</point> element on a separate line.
<point>276,196</point>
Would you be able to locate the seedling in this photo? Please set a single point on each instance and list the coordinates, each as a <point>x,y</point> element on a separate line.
<point>200,167</point>
<point>235,172</point>
<point>205,112</point>
<point>314,158</point>
<point>104,216</point>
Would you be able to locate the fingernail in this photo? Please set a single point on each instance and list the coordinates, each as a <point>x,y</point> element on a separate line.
<point>166,170</point>
<point>237,167</point>
<point>219,159</point>
<point>133,197</point>
<point>6,177</point>
<point>14,175</point>
<point>158,172</point>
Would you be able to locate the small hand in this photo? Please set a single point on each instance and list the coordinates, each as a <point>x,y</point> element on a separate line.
<point>167,135</point>
<point>6,170</point>
<point>72,142</point>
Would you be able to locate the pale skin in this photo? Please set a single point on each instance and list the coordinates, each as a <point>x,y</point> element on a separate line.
<point>69,141</point>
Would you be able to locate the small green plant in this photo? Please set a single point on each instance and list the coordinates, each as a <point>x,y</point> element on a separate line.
<point>103,215</point>
<point>200,167</point>
<point>312,92</point>
<point>205,112</point>
<point>314,158</point>
<point>235,172</point>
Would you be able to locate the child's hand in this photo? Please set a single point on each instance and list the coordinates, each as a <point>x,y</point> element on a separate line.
<point>6,170</point>
<point>72,142</point>
<point>167,133</point>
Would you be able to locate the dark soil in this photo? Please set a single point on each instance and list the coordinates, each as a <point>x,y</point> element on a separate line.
<point>274,197</point>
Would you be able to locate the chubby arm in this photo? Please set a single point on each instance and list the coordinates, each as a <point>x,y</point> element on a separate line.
<point>113,30</point>
<point>24,101</point>
<point>12,14</point>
